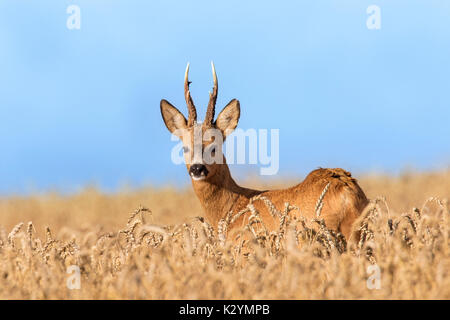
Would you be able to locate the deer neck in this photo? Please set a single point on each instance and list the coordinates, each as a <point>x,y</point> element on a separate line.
<point>219,194</point>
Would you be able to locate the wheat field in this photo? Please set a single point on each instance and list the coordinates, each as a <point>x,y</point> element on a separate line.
<point>153,243</point>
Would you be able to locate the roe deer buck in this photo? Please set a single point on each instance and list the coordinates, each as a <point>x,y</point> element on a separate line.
<point>341,198</point>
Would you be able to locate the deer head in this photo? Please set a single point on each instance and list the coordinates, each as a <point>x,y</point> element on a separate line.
<point>202,142</point>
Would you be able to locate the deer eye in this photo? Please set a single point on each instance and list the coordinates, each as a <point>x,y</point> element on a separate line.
<point>185,149</point>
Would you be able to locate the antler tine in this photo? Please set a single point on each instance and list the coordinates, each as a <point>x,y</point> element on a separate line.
<point>209,119</point>
<point>187,95</point>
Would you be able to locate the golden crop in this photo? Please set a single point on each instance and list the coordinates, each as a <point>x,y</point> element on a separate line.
<point>154,244</point>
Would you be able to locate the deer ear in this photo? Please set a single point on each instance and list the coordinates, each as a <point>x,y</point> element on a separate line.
<point>228,118</point>
<point>172,117</point>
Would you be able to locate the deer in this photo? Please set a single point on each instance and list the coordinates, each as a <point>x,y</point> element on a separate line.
<point>341,198</point>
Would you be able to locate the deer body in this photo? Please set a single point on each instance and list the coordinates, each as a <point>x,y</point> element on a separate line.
<point>342,198</point>
<point>342,204</point>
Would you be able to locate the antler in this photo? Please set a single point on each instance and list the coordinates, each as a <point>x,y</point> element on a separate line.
<point>209,119</point>
<point>192,119</point>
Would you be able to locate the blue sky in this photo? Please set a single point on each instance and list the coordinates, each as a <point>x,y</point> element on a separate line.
<point>81,106</point>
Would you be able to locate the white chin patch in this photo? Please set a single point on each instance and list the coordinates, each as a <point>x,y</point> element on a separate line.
<point>202,177</point>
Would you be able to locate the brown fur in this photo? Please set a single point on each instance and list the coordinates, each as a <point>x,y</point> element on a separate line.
<point>219,193</point>
<point>343,202</point>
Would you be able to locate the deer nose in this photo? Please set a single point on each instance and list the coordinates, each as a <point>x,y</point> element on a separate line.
<point>198,171</point>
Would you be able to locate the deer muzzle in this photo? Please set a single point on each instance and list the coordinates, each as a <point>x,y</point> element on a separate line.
<point>198,172</point>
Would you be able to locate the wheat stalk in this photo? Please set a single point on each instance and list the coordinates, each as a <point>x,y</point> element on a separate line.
<point>13,233</point>
<point>319,203</point>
